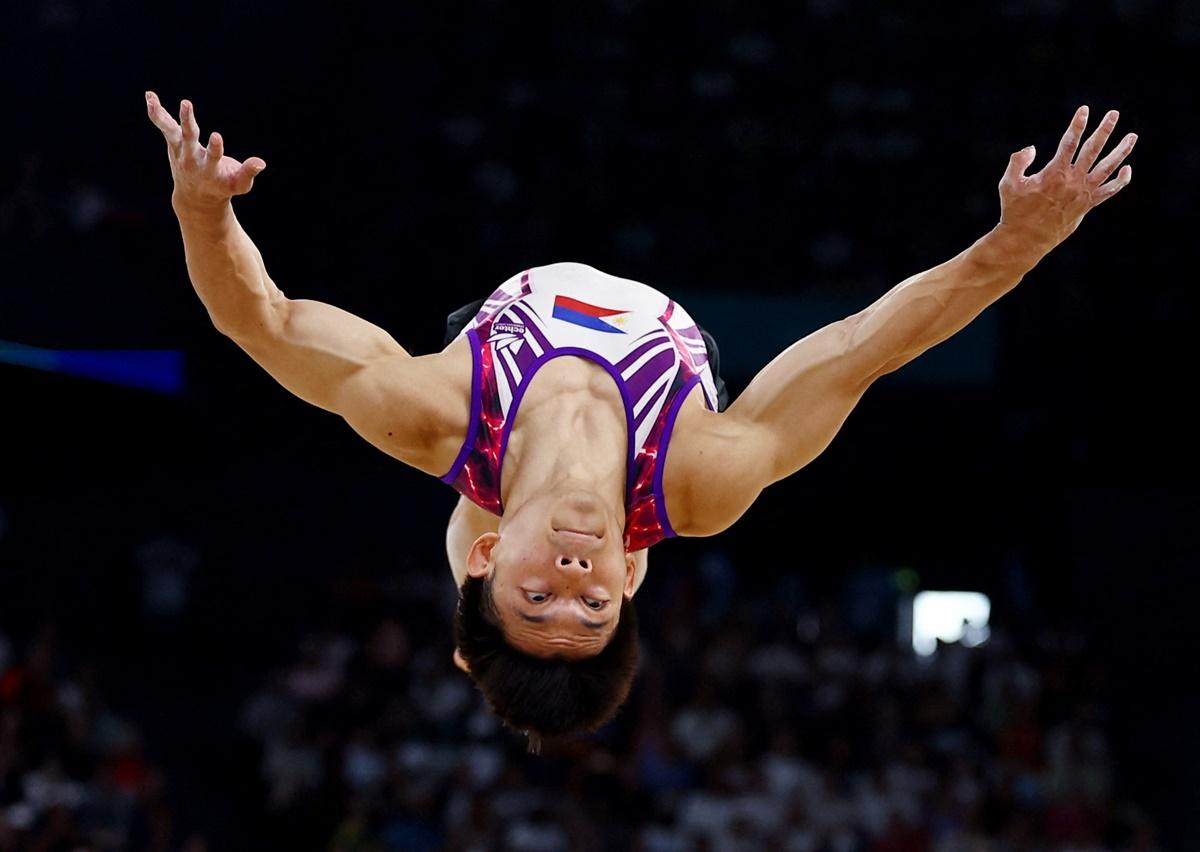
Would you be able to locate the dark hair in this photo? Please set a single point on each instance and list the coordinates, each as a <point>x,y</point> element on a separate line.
<point>543,697</point>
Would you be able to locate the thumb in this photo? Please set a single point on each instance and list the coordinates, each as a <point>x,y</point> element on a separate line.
<point>1019,162</point>
<point>243,180</point>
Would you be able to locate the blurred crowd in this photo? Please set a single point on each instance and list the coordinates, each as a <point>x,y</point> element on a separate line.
<point>742,145</point>
<point>751,727</point>
<point>73,775</point>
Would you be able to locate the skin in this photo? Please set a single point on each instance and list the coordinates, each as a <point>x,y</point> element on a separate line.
<point>416,409</point>
<point>578,600</point>
<point>558,554</point>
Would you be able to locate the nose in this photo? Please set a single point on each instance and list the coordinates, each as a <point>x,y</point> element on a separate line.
<point>572,563</point>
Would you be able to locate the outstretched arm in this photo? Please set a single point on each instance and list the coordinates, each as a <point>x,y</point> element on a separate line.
<point>793,408</point>
<point>324,355</point>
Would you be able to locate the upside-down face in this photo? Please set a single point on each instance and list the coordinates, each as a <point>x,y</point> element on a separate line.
<point>559,571</point>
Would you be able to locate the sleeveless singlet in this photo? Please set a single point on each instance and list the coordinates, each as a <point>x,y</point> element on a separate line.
<point>644,340</point>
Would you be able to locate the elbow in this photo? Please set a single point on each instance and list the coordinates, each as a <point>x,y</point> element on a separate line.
<point>872,347</point>
<point>860,353</point>
<point>853,335</point>
<point>225,327</point>
<point>257,321</point>
<point>881,371</point>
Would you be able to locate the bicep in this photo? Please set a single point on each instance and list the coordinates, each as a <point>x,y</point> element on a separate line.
<point>795,406</point>
<point>312,348</point>
<point>345,365</point>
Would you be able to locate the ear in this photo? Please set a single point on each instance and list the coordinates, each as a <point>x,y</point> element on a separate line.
<point>480,555</point>
<point>460,662</point>
<point>631,566</point>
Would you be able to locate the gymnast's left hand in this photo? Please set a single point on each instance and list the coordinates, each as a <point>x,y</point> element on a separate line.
<point>1045,208</point>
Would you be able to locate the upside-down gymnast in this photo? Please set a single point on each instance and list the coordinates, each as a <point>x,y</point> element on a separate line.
<point>607,452</point>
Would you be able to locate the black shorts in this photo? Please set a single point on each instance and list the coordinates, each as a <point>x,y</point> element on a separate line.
<point>458,320</point>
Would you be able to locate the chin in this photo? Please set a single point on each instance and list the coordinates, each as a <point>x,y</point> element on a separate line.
<point>581,499</point>
<point>582,512</point>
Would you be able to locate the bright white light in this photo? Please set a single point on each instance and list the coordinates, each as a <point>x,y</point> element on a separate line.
<point>951,617</point>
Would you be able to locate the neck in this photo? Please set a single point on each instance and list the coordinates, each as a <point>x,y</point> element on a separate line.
<point>581,449</point>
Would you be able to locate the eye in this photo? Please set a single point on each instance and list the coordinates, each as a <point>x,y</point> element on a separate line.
<point>594,603</point>
<point>537,597</point>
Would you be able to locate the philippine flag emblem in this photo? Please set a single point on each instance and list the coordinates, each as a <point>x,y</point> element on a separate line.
<point>589,316</point>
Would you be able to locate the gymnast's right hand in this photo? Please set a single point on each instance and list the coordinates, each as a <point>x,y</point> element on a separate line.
<point>204,177</point>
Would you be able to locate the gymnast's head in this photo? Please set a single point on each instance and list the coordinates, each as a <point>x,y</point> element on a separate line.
<point>545,624</point>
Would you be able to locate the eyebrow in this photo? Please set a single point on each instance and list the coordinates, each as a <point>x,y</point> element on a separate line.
<point>540,619</point>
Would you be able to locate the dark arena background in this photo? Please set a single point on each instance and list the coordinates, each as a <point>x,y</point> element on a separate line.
<point>225,619</point>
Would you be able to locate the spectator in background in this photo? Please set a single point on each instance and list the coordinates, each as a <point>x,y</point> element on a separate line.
<point>72,774</point>
<point>805,740</point>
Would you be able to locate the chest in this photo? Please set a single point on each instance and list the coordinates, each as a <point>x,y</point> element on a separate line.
<point>588,411</point>
<point>574,403</point>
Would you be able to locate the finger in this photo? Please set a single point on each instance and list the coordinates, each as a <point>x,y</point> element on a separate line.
<point>1070,140</point>
<point>1095,144</point>
<point>1113,186</point>
<point>187,119</point>
<point>1115,157</point>
<point>1019,162</point>
<point>162,119</point>
<point>215,150</point>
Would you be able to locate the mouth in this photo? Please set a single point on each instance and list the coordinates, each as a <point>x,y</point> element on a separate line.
<point>580,533</point>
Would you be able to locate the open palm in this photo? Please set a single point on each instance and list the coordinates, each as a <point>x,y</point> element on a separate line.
<point>1048,206</point>
<point>202,175</point>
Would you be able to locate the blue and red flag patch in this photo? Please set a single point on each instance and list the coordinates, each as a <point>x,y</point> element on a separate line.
<point>589,316</point>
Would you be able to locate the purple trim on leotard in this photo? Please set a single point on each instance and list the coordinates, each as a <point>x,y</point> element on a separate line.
<point>660,463</point>
<point>473,426</point>
<point>527,379</point>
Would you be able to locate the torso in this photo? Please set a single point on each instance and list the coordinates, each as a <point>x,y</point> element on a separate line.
<point>583,382</point>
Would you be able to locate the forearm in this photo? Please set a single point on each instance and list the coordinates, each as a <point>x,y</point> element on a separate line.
<point>226,269</point>
<point>793,408</point>
<point>930,307</point>
<point>798,402</point>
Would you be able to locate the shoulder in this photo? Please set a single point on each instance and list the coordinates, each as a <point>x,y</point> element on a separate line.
<point>716,467</point>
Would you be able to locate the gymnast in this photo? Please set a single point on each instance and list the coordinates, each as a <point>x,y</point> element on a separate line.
<point>626,443</point>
